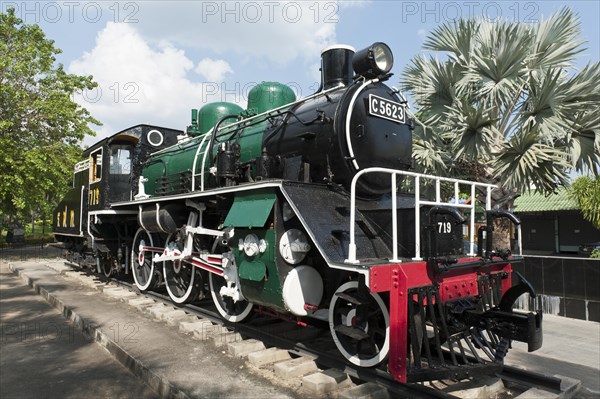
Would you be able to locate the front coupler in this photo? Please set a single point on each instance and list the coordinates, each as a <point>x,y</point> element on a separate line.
<point>518,326</point>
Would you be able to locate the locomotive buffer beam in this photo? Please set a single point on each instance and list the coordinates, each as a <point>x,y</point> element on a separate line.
<point>444,265</point>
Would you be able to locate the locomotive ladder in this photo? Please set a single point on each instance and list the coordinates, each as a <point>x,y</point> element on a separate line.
<point>418,177</point>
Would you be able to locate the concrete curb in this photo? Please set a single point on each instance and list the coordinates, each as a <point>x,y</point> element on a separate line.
<point>156,382</point>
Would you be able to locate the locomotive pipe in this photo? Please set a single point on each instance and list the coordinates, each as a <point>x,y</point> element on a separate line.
<point>213,136</point>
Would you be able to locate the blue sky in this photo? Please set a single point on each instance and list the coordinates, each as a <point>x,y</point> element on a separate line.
<point>154,61</point>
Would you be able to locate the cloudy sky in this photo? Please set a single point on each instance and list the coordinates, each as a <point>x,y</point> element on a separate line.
<point>154,61</point>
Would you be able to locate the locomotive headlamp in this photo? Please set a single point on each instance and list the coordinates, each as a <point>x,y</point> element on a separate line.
<point>373,61</point>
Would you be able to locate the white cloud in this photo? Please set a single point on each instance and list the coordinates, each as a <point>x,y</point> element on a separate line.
<point>137,83</point>
<point>278,32</point>
<point>144,75</point>
<point>213,70</point>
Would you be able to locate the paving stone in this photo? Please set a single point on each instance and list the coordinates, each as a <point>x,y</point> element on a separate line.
<point>369,390</point>
<point>268,356</point>
<point>174,316</point>
<point>72,274</point>
<point>140,301</point>
<point>536,393</point>
<point>213,332</point>
<point>197,325</point>
<point>295,367</point>
<point>58,267</point>
<point>220,338</point>
<point>485,387</point>
<point>568,386</point>
<point>324,382</point>
<point>157,310</point>
<point>119,293</point>
<point>242,348</point>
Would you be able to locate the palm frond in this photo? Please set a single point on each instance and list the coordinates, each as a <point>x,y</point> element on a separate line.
<point>556,41</point>
<point>432,85</point>
<point>544,108</point>
<point>583,89</point>
<point>471,130</point>
<point>498,62</point>
<point>583,143</point>
<point>455,38</point>
<point>525,160</point>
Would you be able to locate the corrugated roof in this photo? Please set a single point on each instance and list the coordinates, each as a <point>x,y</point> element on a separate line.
<point>537,202</point>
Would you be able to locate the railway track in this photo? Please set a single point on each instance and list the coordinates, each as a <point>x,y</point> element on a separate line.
<point>314,346</point>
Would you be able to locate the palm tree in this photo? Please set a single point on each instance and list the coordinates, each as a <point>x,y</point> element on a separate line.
<point>501,102</point>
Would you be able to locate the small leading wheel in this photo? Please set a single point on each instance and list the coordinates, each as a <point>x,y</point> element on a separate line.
<point>182,279</point>
<point>360,325</point>
<point>234,312</point>
<point>142,266</point>
<point>106,266</point>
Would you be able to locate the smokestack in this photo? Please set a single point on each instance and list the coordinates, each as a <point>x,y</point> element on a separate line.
<point>336,66</point>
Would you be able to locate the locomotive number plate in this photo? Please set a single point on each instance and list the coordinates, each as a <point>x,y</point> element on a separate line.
<point>386,109</point>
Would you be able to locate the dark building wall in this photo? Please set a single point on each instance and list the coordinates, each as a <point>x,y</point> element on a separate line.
<point>556,231</point>
<point>538,232</point>
<point>565,286</point>
<point>575,230</point>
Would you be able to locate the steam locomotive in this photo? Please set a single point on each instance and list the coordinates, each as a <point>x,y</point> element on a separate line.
<point>307,208</point>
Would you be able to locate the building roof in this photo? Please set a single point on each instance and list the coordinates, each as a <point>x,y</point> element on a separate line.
<point>534,201</point>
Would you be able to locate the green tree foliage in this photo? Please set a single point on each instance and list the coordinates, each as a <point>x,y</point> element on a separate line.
<point>503,103</point>
<point>40,124</point>
<point>586,192</point>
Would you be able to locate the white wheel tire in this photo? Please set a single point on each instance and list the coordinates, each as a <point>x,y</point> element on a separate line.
<point>354,359</point>
<point>175,298</point>
<point>134,259</point>
<point>223,312</point>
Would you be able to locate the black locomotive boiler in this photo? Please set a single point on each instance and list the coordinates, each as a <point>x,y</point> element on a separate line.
<point>308,208</point>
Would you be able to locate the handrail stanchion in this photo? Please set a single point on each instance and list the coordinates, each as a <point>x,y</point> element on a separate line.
<point>519,239</point>
<point>456,192</point>
<point>394,219</point>
<point>201,174</point>
<point>352,245</point>
<point>472,222</point>
<point>417,218</point>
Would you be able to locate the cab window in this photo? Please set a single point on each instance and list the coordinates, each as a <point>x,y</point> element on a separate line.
<point>120,160</point>
<point>96,166</point>
<point>119,176</point>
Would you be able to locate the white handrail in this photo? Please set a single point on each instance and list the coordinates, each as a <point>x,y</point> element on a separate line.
<point>194,174</point>
<point>418,202</point>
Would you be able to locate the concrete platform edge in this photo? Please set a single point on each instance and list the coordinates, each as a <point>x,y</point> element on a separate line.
<point>159,384</point>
